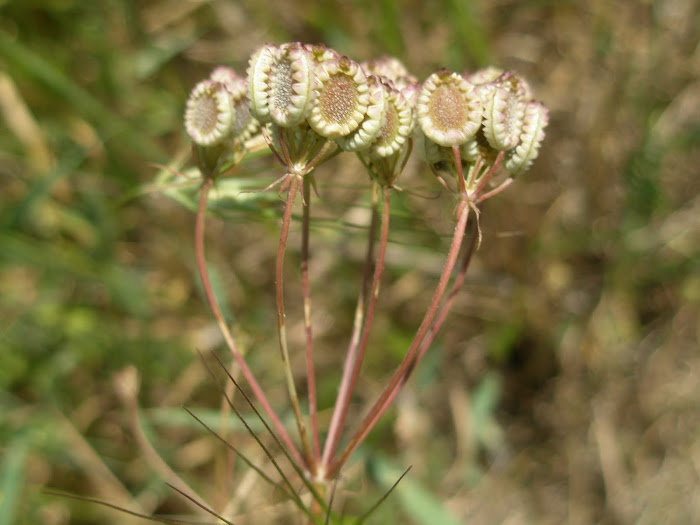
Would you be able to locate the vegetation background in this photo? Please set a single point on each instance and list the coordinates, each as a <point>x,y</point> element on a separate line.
<point>565,387</point>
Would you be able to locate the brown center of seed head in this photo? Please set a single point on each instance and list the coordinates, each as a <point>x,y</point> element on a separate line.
<point>205,115</point>
<point>447,108</point>
<point>282,87</point>
<point>241,116</point>
<point>389,129</point>
<point>338,99</point>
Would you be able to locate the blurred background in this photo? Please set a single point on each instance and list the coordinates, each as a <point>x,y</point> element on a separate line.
<point>565,386</point>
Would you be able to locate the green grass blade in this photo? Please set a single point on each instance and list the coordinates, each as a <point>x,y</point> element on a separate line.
<point>11,481</point>
<point>109,123</point>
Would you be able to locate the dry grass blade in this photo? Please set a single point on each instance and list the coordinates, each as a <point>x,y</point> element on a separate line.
<point>156,519</point>
<point>235,449</point>
<point>295,497</point>
<point>200,505</point>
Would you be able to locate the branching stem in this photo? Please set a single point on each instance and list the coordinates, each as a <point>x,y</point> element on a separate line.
<point>380,405</point>
<point>281,325</point>
<point>444,310</point>
<point>228,337</point>
<point>356,352</point>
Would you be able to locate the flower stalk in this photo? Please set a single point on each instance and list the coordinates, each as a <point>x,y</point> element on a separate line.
<point>475,131</point>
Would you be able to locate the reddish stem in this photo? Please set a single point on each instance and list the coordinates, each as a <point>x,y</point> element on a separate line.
<point>360,311</point>
<point>356,354</point>
<point>456,286</point>
<point>306,292</point>
<point>281,327</point>
<point>380,405</point>
<point>218,316</point>
<point>458,164</point>
<point>483,181</point>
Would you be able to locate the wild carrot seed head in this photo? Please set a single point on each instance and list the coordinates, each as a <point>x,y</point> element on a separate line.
<point>340,98</point>
<point>397,124</point>
<point>449,109</point>
<point>259,70</point>
<point>535,120</point>
<point>371,125</point>
<point>209,113</point>
<point>289,85</point>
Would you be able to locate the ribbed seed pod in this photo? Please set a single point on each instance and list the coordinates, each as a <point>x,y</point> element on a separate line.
<point>503,117</point>
<point>227,76</point>
<point>243,125</point>
<point>534,122</point>
<point>339,98</point>
<point>290,85</point>
<point>515,84</point>
<point>209,113</point>
<point>397,124</point>
<point>321,53</point>
<point>391,68</point>
<point>410,92</point>
<point>483,76</point>
<point>449,109</point>
<point>470,151</point>
<point>259,81</point>
<point>371,125</point>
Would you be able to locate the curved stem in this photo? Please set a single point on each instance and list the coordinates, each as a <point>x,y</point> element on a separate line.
<point>223,327</point>
<point>456,287</point>
<point>356,353</point>
<point>306,293</point>
<point>444,310</point>
<point>281,325</point>
<point>380,405</point>
<point>498,189</point>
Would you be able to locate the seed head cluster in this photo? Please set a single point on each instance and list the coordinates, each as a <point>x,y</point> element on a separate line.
<point>374,108</point>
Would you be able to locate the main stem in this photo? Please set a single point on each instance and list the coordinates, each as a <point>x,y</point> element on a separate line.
<point>380,405</point>
<point>281,326</point>
<point>223,327</point>
<point>356,354</point>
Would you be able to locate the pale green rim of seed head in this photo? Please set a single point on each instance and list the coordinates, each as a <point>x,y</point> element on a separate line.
<point>339,98</point>
<point>449,109</point>
<point>208,113</point>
